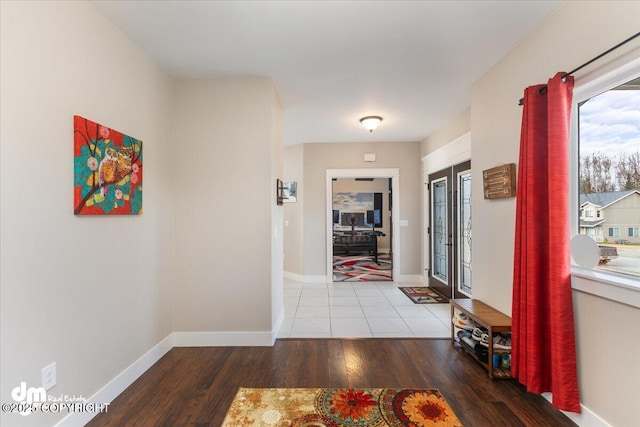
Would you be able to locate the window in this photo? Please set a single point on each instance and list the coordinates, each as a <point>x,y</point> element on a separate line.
<point>608,169</point>
<point>594,232</point>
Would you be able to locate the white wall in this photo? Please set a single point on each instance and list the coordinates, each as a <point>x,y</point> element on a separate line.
<point>577,32</point>
<point>90,293</point>
<point>225,215</point>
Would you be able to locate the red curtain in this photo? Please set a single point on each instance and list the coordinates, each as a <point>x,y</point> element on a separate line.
<point>543,337</point>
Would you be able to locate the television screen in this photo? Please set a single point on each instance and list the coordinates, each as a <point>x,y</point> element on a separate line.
<point>353,218</point>
<point>336,216</point>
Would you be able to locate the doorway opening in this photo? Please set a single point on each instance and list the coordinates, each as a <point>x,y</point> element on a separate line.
<point>362,233</point>
<point>362,230</point>
<point>456,152</point>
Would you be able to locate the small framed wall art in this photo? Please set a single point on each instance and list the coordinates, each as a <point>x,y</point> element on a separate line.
<point>290,192</point>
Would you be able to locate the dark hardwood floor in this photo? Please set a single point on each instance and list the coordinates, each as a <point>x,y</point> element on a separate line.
<point>195,386</point>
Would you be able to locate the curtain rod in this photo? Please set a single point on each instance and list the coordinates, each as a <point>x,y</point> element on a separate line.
<point>608,51</point>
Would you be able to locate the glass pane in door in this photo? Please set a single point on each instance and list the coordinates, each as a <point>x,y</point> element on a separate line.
<point>464,233</point>
<point>440,231</point>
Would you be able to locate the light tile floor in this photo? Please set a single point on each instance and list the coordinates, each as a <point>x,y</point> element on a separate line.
<point>359,310</point>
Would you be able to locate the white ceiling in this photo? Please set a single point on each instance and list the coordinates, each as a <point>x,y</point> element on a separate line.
<point>333,62</point>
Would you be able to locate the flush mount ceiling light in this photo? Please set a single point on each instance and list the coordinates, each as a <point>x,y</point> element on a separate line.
<point>371,122</point>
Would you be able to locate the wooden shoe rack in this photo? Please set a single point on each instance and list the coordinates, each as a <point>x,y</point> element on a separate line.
<point>489,318</point>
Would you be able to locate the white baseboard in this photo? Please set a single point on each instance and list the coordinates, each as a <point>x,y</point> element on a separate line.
<point>587,418</point>
<point>117,385</point>
<point>304,279</point>
<point>402,278</point>
<point>315,279</point>
<point>409,278</point>
<point>177,339</point>
<point>293,276</point>
<point>276,326</point>
<point>223,339</point>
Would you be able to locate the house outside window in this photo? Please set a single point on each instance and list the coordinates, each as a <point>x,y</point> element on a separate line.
<point>595,233</point>
<point>608,169</point>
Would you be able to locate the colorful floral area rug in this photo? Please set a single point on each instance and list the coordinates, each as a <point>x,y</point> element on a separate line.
<point>423,295</point>
<point>329,407</point>
<point>361,268</point>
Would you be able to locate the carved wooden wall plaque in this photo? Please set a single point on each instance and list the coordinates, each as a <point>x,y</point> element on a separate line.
<point>500,181</point>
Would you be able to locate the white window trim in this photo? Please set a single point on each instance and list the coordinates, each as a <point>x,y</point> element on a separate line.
<point>606,284</point>
<point>617,287</point>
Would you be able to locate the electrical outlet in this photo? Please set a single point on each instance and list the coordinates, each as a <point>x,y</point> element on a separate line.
<point>49,376</point>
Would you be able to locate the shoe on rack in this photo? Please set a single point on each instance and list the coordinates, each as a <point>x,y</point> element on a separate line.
<point>501,343</point>
<point>484,340</point>
<point>461,321</point>
<point>463,317</point>
<point>477,333</point>
<point>464,334</point>
<point>481,353</point>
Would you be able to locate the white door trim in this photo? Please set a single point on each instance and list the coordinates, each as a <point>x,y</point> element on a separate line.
<point>394,174</point>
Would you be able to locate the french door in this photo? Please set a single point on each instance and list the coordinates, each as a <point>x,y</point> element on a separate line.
<point>450,231</point>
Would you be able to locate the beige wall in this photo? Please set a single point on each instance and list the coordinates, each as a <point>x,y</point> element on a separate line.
<point>577,32</point>
<point>453,130</point>
<point>608,372</point>
<point>208,181</point>
<point>92,294</point>
<point>557,45</point>
<point>277,213</point>
<point>320,157</point>
<point>293,212</point>
<point>225,214</point>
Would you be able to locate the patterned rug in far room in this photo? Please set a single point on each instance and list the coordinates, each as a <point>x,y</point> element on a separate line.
<point>361,268</point>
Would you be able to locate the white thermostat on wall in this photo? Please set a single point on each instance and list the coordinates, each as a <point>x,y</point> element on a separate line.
<point>369,157</point>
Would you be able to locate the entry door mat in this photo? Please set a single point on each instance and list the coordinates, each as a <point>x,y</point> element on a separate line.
<point>332,407</point>
<point>362,268</point>
<point>423,295</point>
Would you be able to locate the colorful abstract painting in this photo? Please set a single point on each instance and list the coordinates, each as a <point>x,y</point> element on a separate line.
<point>107,170</point>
